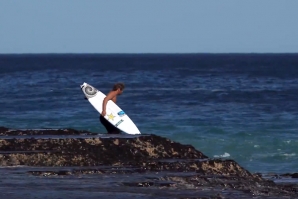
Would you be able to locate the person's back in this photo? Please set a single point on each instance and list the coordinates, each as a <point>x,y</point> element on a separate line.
<point>112,95</point>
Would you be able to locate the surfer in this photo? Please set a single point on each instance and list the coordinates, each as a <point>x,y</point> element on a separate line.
<point>112,95</point>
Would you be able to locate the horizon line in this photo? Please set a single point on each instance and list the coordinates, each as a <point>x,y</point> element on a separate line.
<point>164,53</point>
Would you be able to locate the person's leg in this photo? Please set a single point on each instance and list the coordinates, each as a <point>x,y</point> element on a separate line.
<point>114,130</point>
<point>109,127</point>
<point>104,122</point>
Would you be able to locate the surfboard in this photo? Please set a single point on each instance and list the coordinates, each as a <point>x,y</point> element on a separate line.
<point>115,115</point>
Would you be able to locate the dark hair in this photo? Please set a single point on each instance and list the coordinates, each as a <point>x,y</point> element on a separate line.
<point>118,85</point>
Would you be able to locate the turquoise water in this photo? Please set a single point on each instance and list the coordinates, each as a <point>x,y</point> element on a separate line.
<point>242,107</point>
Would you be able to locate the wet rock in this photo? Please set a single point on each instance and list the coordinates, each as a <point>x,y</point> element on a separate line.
<point>92,151</point>
<point>142,155</point>
<point>148,184</point>
<point>3,130</point>
<point>292,175</point>
<point>11,132</point>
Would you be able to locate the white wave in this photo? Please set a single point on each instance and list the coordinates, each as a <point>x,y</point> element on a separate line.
<point>257,146</point>
<point>289,155</point>
<point>14,166</point>
<point>218,90</point>
<point>223,155</point>
<point>278,154</point>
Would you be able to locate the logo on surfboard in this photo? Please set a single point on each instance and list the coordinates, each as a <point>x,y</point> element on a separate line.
<point>121,113</point>
<point>111,117</point>
<point>89,91</point>
<point>118,123</point>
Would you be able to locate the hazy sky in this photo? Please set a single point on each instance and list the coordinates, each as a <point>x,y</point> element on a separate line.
<point>148,26</point>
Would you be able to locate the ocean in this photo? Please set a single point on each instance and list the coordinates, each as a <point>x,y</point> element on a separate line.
<point>232,106</point>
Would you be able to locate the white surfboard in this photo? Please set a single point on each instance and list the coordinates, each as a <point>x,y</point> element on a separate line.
<point>115,115</point>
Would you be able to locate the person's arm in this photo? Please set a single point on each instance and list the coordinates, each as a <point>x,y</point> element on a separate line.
<point>110,96</point>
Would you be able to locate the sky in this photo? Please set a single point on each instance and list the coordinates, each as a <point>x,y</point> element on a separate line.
<point>148,26</point>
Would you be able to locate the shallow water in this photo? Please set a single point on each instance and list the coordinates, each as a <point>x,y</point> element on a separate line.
<point>16,182</point>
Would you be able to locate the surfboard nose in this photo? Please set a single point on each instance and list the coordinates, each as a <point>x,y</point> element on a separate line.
<point>83,85</point>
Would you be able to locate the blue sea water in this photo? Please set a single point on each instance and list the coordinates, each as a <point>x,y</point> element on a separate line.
<point>236,106</point>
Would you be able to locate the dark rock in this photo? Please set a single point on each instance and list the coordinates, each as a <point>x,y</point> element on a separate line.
<point>3,130</point>
<point>93,151</point>
<point>136,154</point>
<point>11,132</point>
<point>292,175</point>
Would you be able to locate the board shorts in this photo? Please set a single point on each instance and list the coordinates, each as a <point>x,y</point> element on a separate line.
<point>110,128</point>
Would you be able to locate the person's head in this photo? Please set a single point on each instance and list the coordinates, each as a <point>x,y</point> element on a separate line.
<point>119,87</point>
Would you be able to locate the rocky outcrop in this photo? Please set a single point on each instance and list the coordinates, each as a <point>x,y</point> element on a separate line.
<point>13,132</point>
<point>184,167</point>
<point>92,151</point>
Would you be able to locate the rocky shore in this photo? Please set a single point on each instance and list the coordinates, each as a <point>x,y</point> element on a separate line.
<point>153,166</point>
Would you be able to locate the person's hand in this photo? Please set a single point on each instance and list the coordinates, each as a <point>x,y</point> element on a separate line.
<point>103,113</point>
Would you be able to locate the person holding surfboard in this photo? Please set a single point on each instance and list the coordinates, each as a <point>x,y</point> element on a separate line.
<point>112,95</point>
<point>111,115</point>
